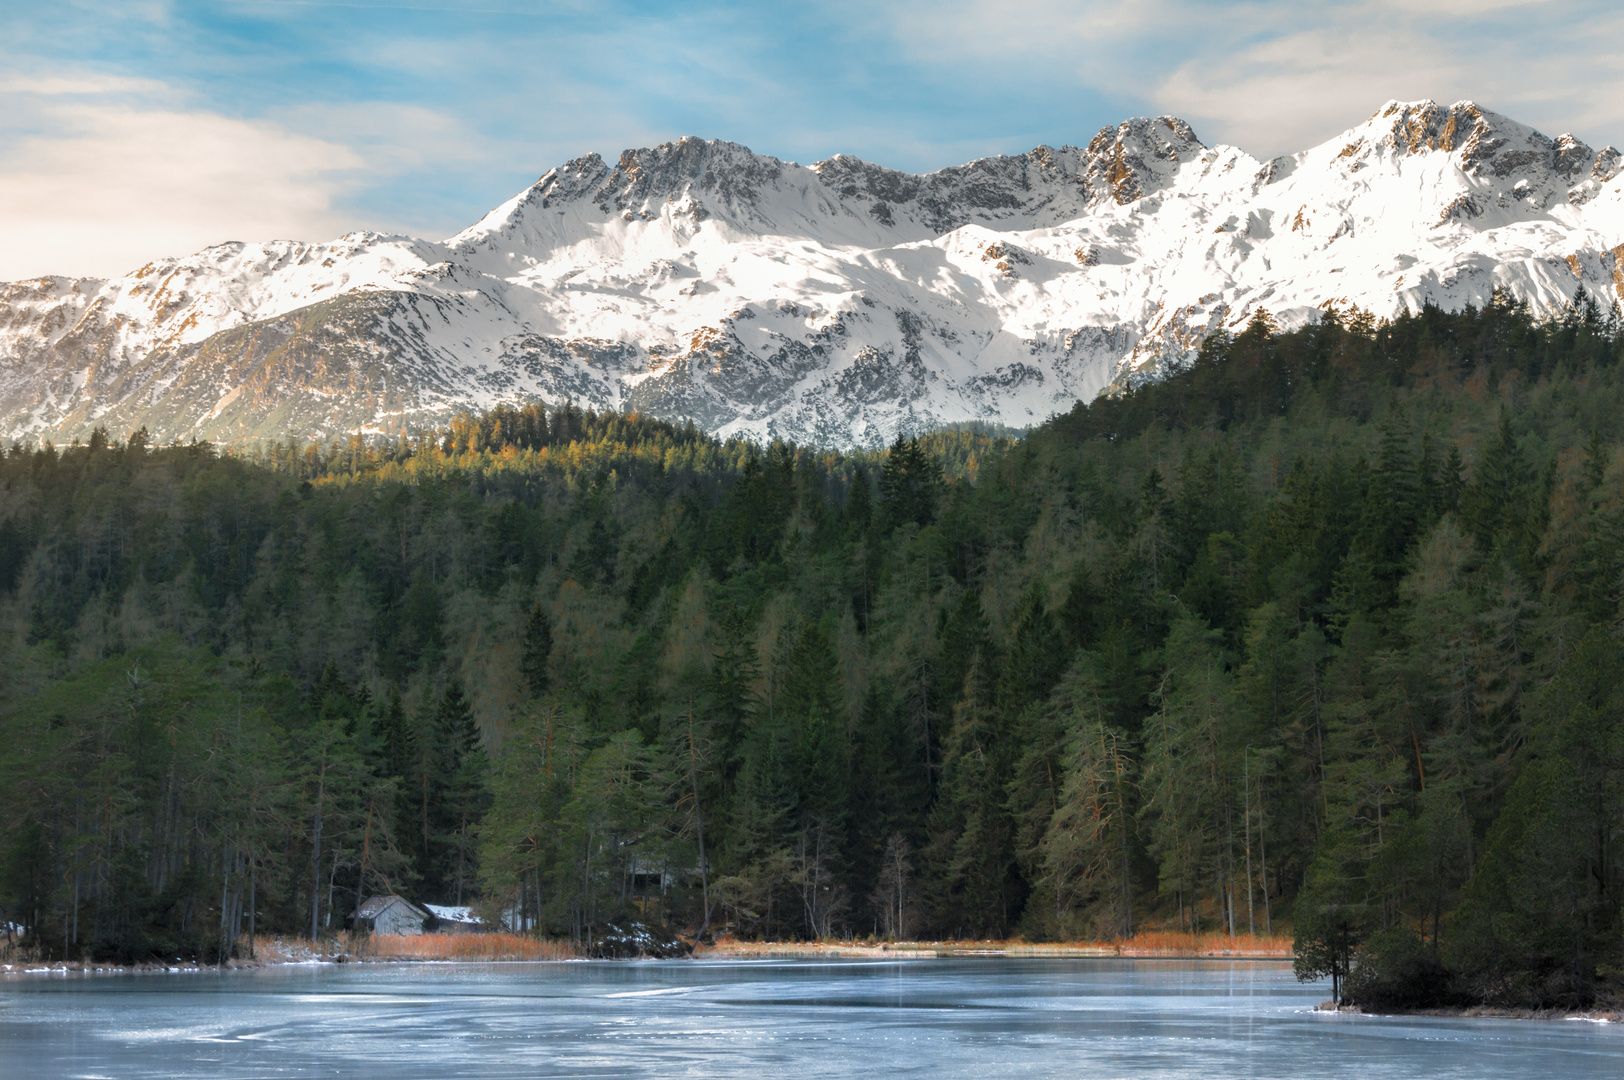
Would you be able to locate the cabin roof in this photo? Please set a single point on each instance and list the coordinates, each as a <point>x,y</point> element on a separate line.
<point>377,905</point>
<point>447,913</point>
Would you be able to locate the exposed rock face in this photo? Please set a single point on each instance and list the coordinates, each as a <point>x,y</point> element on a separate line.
<point>838,303</point>
<point>1141,157</point>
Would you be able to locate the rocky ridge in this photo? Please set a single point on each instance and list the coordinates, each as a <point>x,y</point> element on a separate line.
<point>838,303</point>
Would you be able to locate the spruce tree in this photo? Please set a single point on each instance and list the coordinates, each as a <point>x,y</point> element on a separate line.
<point>910,485</point>
<point>463,793</point>
<point>536,647</point>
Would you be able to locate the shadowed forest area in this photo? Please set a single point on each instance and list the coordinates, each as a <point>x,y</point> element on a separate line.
<point>1321,635</point>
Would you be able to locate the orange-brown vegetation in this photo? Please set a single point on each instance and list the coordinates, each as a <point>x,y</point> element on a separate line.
<point>1171,943</point>
<point>496,946</point>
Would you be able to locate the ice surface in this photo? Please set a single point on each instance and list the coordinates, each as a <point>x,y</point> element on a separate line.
<point>939,1018</point>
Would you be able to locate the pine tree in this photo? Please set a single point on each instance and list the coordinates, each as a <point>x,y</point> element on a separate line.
<point>859,508</point>
<point>910,485</point>
<point>534,651</point>
<point>1088,847</point>
<point>465,796</point>
<point>1498,504</point>
<point>970,856</point>
<point>1037,656</point>
<point>887,795</point>
<point>1597,456</point>
<point>1190,781</point>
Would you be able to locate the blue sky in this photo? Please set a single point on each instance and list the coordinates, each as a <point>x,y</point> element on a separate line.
<point>153,127</point>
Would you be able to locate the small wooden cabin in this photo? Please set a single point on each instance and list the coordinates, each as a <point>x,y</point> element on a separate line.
<point>390,915</point>
<point>448,919</point>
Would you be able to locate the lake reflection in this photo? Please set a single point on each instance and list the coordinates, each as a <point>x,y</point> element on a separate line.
<point>937,1018</point>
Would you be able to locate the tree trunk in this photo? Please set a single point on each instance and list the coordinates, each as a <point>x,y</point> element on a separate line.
<point>315,878</point>
<point>1246,785</point>
<point>225,907</point>
<point>1263,857</point>
<point>699,826</point>
<point>251,875</point>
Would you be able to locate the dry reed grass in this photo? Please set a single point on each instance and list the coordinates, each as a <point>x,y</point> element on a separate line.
<point>494,946</point>
<point>1155,943</point>
<point>276,949</point>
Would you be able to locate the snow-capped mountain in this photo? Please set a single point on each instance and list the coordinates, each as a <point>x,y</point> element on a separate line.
<point>837,303</point>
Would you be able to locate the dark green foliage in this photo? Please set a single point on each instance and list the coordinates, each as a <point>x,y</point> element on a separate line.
<point>1318,635</point>
<point>449,785</point>
<point>1395,970</point>
<point>1540,920</point>
<point>25,871</point>
<point>537,646</point>
<point>910,484</point>
<point>1036,657</point>
<point>1332,920</point>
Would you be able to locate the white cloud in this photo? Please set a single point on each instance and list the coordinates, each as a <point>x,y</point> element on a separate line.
<point>172,144</point>
<point>1310,77</point>
<point>58,85</point>
<point>1290,92</point>
<point>995,29</point>
<point>1458,7</point>
<point>97,188</point>
<point>1277,77</point>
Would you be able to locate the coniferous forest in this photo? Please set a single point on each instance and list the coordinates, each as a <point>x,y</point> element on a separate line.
<point>1320,635</point>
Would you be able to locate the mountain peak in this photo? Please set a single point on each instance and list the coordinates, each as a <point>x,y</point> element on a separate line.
<point>726,170</point>
<point>1139,155</point>
<point>1485,143</point>
<point>837,304</point>
<point>1463,127</point>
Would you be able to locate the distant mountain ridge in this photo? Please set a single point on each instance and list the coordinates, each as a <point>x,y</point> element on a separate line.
<point>838,303</point>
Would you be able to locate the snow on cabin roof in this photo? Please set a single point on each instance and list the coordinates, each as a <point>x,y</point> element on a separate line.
<point>452,914</point>
<point>376,905</point>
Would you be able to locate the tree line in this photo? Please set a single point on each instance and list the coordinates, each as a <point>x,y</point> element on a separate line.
<point>1319,634</point>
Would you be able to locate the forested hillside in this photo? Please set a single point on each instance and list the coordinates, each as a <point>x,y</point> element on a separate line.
<point>1321,633</point>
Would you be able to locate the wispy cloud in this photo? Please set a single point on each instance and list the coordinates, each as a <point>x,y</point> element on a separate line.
<point>77,85</point>
<point>100,187</point>
<point>1299,79</point>
<point>131,129</point>
<point>1274,77</point>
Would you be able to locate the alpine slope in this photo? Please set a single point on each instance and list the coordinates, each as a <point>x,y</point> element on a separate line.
<point>838,304</point>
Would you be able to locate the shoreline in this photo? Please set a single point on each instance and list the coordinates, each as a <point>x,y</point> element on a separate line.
<point>277,952</point>
<point>285,955</point>
<point>766,950</point>
<point>1482,1012</point>
<point>280,952</point>
<point>730,949</point>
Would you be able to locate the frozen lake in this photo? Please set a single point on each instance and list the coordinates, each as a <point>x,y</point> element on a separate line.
<point>936,1018</point>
